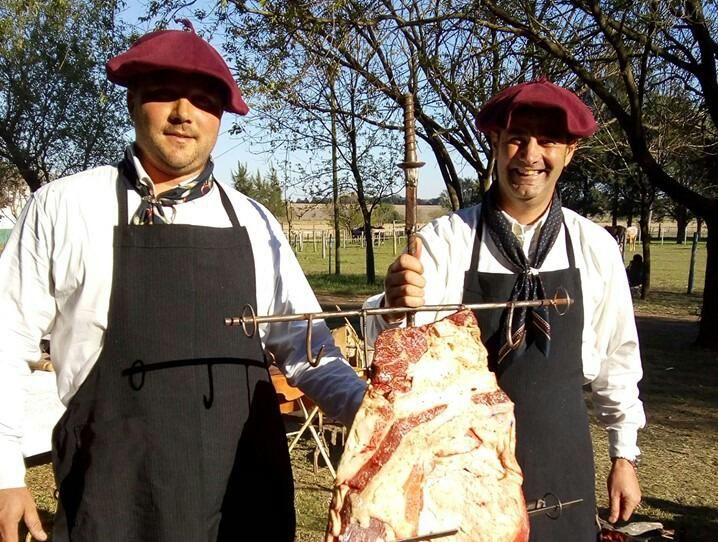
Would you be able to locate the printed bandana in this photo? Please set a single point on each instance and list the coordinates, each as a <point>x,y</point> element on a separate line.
<point>151,209</point>
<point>528,284</point>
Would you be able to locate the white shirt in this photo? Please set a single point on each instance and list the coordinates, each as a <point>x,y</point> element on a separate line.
<point>56,277</point>
<point>610,353</point>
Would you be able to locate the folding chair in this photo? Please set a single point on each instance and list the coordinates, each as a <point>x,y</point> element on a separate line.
<point>292,400</point>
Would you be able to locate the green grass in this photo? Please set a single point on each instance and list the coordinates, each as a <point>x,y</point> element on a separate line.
<point>670,264</point>
<point>669,281</point>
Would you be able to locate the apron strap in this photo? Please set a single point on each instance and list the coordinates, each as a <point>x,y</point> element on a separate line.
<point>228,207</point>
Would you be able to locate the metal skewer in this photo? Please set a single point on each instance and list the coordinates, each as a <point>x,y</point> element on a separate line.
<point>429,536</point>
<point>249,316</point>
<point>254,320</point>
<point>541,506</point>
<point>410,165</point>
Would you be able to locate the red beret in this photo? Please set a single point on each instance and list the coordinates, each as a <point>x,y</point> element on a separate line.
<point>495,115</point>
<point>175,50</point>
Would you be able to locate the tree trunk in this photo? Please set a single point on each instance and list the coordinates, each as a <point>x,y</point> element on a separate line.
<point>335,190</point>
<point>614,209</point>
<point>681,224</point>
<point>707,335</point>
<point>644,223</point>
<point>447,169</point>
<point>369,248</point>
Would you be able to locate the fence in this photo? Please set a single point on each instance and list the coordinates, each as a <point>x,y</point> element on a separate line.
<point>320,240</point>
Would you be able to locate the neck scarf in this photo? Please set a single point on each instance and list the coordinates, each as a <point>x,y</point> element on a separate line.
<point>528,284</point>
<point>151,209</point>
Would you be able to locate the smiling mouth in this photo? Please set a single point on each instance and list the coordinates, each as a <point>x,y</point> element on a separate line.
<point>528,172</point>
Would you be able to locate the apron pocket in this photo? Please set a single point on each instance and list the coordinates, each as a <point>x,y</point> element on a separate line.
<point>107,493</point>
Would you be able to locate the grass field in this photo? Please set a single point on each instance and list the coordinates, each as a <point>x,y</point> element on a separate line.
<point>670,265</point>
<point>679,474</point>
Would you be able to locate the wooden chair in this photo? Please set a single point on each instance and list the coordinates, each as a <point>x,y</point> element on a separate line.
<point>293,400</point>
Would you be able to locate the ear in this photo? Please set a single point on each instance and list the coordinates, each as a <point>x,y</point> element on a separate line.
<point>494,139</point>
<point>131,104</point>
<point>570,150</point>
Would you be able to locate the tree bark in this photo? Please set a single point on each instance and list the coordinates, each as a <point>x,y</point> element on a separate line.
<point>335,188</point>
<point>644,223</point>
<point>369,249</point>
<point>707,335</point>
<point>681,225</point>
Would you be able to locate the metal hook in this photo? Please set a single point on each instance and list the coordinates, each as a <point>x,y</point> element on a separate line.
<point>509,326</point>
<point>311,360</point>
<point>209,400</point>
<point>138,367</point>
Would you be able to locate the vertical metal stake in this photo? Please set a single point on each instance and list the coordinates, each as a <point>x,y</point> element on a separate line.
<point>411,166</point>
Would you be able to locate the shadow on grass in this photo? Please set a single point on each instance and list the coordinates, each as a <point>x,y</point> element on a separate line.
<point>692,523</point>
<point>676,370</point>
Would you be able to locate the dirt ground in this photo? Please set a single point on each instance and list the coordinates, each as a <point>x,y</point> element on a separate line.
<point>679,470</point>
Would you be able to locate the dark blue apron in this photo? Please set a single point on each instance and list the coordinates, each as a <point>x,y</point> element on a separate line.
<point>553,442</point>
<point>175,434</point>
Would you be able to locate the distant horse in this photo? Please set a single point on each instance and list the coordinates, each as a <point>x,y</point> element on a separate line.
<point>619,234</point>
<point>631,236</point>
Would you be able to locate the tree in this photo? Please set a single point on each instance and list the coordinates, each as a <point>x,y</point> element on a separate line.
<point>13,192</point>
<point>58,113</point>
<point>267,191</point>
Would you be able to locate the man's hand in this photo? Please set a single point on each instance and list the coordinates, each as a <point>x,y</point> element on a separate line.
<point>17,504</point>
<point>624,492</point>
<point>404,283</point>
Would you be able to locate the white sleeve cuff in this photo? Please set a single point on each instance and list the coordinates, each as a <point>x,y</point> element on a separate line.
<point>12,466</point>
<point>623,443</point>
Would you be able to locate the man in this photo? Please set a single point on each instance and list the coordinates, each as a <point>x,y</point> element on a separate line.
<point>521,245</point>
<point>172,429</point>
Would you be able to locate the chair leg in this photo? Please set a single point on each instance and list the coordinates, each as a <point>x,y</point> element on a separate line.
<point>307,423</point>
<point>323,450</point>
<point>321,445</point>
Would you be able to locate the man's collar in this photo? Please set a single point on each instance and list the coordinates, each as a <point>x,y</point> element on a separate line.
<point>142,175</point>
<point>517,226</point>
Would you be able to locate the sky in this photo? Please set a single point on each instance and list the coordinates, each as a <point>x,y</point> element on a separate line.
<point>231,150</point>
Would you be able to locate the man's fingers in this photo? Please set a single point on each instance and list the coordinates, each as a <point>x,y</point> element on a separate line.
<point>406,262</point>
<point>405,296</point>
<point>418,245</point>
<point>628,505</point>
<point>404,277</point>
<point>404,283</point>
<point>34,525</point>
<point>17,504</point>
<point>615,508</point>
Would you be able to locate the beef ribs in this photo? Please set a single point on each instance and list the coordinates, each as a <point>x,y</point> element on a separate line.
<point>432,446</point>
